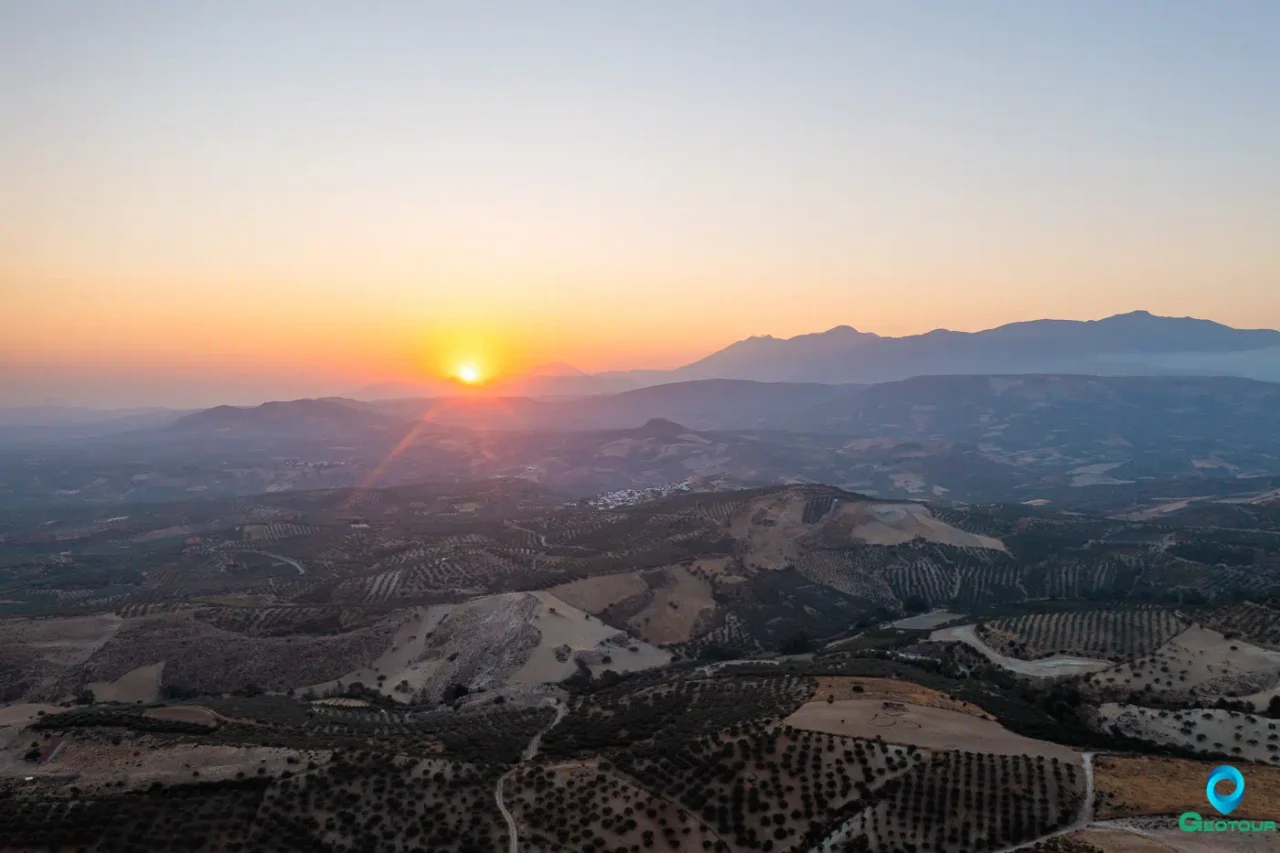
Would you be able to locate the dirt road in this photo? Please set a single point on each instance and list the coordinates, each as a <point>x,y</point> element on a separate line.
<point>530,753</point>
<point>542,537</point>
<point>1045,667</point>
<point>1086,811</point>
<point>281,558</point>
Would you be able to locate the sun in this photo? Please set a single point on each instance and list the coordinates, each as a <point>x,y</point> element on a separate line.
<point>469,373</point>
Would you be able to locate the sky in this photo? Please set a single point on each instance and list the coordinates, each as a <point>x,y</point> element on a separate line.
<point>242,200</point>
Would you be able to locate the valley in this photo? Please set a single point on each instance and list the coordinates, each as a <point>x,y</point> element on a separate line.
<point>699,659</point>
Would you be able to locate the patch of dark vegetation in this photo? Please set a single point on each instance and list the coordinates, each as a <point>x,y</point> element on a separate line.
<point>668,713</point>
<point>117,716</point>
<point>210,816</point>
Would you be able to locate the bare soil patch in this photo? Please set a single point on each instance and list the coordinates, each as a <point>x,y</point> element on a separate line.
<point>1106,839</point>
<point>494,641</point>
<point>661,606</point>
<point>595,595</point>
<point>680,607</point>
<point>711,566</point>
<point>926,621</point>
<point>590,640</point>
<point>136,685</point>
<point>185,714</point>
<point>406,665</point>
<point>34,652</point>
<point>1198,664</point>
<point>1245,737</point>
<point>894,524</point>
<point>142,760</point>
<point>1142,785</point>
<point>1159,510</point>
<point>932,728</point>
<point>770,526</point>
<point>20,715</point>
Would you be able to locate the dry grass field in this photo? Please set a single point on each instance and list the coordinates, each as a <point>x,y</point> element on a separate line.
<point>680,607</point>
<point>596,595</point>
<point>1163,839</point>
<point>141,684</point>
<point>853,687</point>
<point>769,527</point>
<point>185,714</point>
<point>893,524</point>
<point>1132,786</point>
<point>566,635</point>
<point>916,725</point>
<point>34,652</point>
<point>137,761</point>
<point>661,606</point>
<point>20,715</point>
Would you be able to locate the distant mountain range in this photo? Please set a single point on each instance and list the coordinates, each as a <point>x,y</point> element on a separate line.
<point>985,437</point>
<point>1134,344</point>
<point>332,414</point>
<point>1126,344</point>
<point>813,367</point>
<point>970,437</point>
<point>920,407</point>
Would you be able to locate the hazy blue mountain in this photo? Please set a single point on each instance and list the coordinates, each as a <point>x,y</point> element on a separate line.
<point>1134,343</point>
<point>330,414</point>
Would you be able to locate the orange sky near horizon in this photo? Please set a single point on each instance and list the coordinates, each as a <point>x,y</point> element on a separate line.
<point>234,200</point>
<point>418,317</point>
<point>148,292</point>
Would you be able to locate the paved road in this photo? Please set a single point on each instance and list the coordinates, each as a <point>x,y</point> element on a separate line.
<point>530,753</point>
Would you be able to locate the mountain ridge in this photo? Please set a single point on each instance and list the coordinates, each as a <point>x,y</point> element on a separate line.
<point>1135,343</point>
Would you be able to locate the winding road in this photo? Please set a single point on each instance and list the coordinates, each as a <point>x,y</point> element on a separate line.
<point>530,753</point>
<point>1086,811</point>
<point>1057,665</point>
<point>297,565</point>
<point>542,537</point>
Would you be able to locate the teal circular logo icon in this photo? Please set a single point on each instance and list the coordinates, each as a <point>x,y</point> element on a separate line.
<point>1225,803</point>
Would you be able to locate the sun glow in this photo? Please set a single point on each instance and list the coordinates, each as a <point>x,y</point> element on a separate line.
<point>469,373</point>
